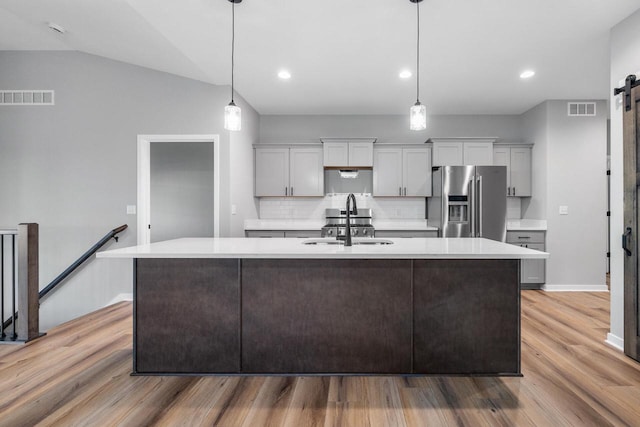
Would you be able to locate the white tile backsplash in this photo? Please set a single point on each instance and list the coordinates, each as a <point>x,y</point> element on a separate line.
<point>313,207</point>
<point>383,208</point>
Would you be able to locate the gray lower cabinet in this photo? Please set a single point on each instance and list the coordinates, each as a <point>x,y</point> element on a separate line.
<point>283,233</point>
<point>263,233</point>
<point>406,233</point>
<point>532,271</point>
<point>302,233</point>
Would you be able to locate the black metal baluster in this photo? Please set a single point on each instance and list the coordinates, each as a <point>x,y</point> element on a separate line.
<point>13,292</point>
<point>2,335</point>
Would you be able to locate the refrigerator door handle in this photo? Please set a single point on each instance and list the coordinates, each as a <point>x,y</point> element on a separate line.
<point>473,206</point>
<point>480,206</point>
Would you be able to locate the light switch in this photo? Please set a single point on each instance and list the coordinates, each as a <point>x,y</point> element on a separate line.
<point>131,209</point>
<point>233,210</point>
<point>564,210</point>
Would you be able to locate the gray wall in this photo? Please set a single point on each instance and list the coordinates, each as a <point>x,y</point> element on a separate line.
<point>72,167</point>
<point>181,184</point>
<point>625,60</point>
<point>570,163</point>
<point>534,129</point>
<point>393,129</point>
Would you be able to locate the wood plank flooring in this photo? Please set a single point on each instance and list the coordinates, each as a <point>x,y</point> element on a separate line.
<point>78,375</point>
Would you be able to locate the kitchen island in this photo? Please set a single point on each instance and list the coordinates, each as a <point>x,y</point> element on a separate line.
<point>280,306</point>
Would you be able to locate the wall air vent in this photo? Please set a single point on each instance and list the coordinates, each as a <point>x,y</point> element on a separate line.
<point>27,97</point>
<point>581,109</point>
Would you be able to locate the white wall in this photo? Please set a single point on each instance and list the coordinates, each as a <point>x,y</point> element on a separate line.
<point>72,167</point>
<point>625,60</point>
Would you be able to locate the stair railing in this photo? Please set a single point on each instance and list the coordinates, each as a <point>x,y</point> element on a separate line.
<point>22,245</point>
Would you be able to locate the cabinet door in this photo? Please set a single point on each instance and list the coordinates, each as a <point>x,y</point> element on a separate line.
<point>502,157</point>
<point>387,172</point>
<point>264,233</point>
<point>521,172</point>
<point>302,233</point>
<point>336,153</point>
<point>533,270</point>
<point>416,172</point>
<point>447,154</point>
<point>360,154</point>
<point>271,172</point>
<point>478,153</point>
<point>306,176</point>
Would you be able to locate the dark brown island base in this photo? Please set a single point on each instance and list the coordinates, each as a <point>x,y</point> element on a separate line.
<point>326,316</point>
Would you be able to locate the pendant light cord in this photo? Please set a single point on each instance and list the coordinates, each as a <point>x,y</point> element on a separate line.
<point>418,54</point>
<point>233,42</point>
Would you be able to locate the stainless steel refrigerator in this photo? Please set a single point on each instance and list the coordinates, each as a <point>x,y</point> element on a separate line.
<point>469,201</point>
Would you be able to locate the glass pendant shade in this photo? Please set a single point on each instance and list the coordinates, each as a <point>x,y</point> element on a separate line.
<point>418,117</point>
<point>232,117</point>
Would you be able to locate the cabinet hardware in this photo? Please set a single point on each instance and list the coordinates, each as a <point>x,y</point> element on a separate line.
<point>625,241</point>
<point>292,191</point>
<point>514,191</point>
<point>524,237</point>
<point>400,191</point>
<point>286,191</point>
<point>405,191</point>
<point>508,191</point>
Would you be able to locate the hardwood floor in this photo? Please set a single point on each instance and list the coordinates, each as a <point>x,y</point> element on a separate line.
<point>79,375</point>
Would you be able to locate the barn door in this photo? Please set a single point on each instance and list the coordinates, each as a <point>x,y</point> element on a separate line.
<point>630,241</point>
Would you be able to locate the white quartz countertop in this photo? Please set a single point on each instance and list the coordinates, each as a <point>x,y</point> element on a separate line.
<point>317,224</point>
<point>527,225</point>
<point>416,248</point>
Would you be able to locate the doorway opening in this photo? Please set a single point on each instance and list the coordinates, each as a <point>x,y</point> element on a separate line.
<point>178,187</point>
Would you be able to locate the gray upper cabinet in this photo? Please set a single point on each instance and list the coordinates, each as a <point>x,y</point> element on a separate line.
<point>356,152</point>
<point>517,159</point>
<point>271,172</point>
<point>289,171</point>
<point>462,151</point>
<point>402,171</point>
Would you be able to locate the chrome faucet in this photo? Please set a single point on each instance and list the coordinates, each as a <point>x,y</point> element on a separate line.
<point>347,237</point>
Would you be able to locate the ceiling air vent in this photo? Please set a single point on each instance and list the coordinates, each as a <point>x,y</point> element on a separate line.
<point>581,109</point>
<point>27,97</point>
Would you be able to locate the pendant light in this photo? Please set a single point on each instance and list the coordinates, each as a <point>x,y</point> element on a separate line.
<point>232,113</point>
<point>418,113</point>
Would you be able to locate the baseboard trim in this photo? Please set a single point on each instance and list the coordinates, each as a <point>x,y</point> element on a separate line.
<point>615,341</point>
<point>575,288</point>
<point>119,298</point>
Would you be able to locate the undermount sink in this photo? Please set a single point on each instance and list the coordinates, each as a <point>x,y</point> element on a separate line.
<point>355,241</point>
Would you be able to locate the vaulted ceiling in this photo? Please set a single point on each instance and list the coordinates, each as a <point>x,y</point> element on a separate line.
<point>345,55</point>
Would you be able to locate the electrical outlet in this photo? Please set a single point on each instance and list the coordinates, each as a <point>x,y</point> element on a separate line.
<point>234,210</point>
<point>563,210</point>
<point>131,209</point>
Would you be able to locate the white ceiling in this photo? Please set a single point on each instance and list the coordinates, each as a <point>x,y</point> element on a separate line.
<point>345,55</point>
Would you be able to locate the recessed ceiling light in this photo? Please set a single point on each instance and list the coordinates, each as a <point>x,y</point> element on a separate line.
<point>527,74</point>
<point>57,28</point>
<point>405,74</point>
<point>284,75</point>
